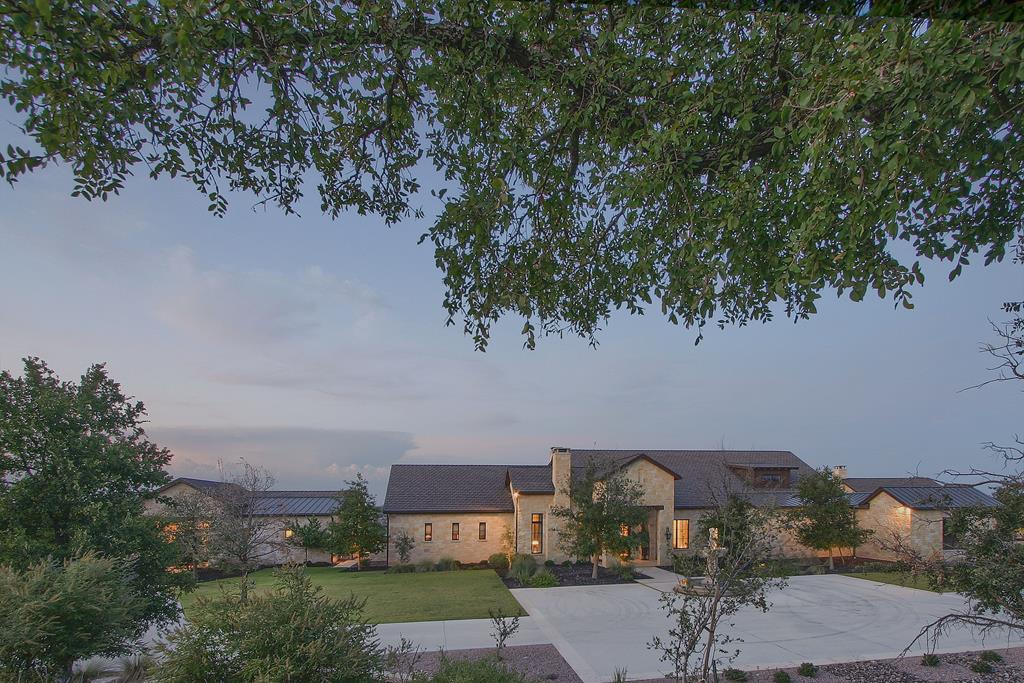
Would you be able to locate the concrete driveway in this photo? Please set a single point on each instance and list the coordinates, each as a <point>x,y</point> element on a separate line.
<point>820,619</point>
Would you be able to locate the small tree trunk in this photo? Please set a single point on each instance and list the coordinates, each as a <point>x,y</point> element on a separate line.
<point>244,594</point>
<point>593,571</point>
<point>359,560</point>
<point>831,561</point>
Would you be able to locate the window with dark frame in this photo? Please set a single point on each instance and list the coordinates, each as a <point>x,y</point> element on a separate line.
<point>455,531</point>
<point>680,534</point>
<point>428,532</point>
<point>483,531</point>
<point>537,533</point>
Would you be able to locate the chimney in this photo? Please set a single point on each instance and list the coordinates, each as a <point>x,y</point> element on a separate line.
<point>561,466</point>
<point>839,471</point>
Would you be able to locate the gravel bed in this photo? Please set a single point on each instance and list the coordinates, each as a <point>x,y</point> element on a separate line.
<point>540,662</point>
<point>953,668</point>
<point>579,575</point>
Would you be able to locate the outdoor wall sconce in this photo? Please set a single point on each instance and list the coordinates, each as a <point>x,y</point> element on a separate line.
<point>668,533</point>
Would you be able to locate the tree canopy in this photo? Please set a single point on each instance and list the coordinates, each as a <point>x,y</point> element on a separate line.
<point>720,167</point>
<point>357,528</point>
<point>75,468</point>
<point>825,520</point>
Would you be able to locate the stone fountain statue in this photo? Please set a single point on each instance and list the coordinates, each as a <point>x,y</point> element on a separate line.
<point>703,585</point>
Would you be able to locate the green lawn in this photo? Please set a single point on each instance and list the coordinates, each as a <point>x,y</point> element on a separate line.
<point>894,578</point>
<point>430,596</point>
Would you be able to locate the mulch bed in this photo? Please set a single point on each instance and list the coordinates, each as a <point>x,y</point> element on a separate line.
<point>953,668</point>
<point>579,575</point>
<point>538,662</point>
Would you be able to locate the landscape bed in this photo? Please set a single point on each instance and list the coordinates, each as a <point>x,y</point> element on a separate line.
<point>393,598</point>
<point>580,575</point>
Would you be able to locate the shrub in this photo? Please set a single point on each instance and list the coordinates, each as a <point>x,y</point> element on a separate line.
<point>689,565</point>
<point>782,677</point>
<point>447,564</point>
<point>549,563</point>
<point>807,669</point>
<point>401,569</point>
<point>523,567</point>
<point>619,676</point>
<point>981,667</point>
<point>52,614</point>
<point>567,563</point>
<point>404,543</point>
<point>991,657</point>
<point>424,566</point>
<point>885,567</point>
<point>498,562</point>
<point>735,675</point>
<point>231,641</point>
<point>623,569</point>
<point>542,579</point>
<point>930,659</point>
<point>464,671</point>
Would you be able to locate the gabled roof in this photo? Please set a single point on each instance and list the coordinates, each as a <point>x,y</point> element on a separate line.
<point>704,478</point>
<point>448,488</point>
<point>272,503</point>
<point>937,497</point>
<point>871,484</point>
<point>531,478</point>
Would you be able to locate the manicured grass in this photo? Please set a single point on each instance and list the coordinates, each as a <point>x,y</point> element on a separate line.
<point>895,578</point>
<point>429,596</point>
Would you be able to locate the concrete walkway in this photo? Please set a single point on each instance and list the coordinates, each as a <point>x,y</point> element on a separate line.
<point>459,634</point>
<point>820,619</point>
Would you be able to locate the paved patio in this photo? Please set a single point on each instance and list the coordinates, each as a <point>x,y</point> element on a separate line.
<point>821,619</point>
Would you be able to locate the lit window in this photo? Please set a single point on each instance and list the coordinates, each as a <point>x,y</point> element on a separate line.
<point>455,531</point>
<point>537,533</point>
<point>428,532</point>
<point>680,534</point>
<point>483,531</point>
<point>288,533</point>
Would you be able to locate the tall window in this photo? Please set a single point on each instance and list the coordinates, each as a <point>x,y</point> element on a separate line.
<point>483,531</point>
<point>455,531</point>
<point>537,533</point>
<point>680,534</point>
<point>428,532</point>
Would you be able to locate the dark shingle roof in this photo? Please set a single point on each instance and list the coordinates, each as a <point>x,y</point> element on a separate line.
<point>531,478</point>
<point>872,484</point>
<point>705,476</point>
<point>448,488</point>
<point>939,498</point>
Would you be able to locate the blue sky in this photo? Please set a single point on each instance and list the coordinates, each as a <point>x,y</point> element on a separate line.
<point>318,349</point>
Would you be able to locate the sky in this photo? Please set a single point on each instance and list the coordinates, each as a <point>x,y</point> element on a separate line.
<point>318,349</point>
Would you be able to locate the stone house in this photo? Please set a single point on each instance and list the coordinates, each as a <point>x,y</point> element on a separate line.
<point>282,509</point>
<point>468,512</point>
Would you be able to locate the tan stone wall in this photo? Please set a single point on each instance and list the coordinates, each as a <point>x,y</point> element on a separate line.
<point>526,506</point>
<point>886,517</point>
<point>468,549</point>
<point>156,507</point>
<point>659,491</point>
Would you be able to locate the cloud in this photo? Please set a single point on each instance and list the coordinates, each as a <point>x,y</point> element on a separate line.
<point>298,457</point>
<point>254,306</point>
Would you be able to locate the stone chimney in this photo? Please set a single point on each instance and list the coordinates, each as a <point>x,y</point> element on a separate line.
<point>561,466</point>
<point>839,471</point>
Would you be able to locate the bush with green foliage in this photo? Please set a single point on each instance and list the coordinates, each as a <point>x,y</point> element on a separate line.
<point>930,659</point>
<point>466,671</point>
<point>404,543</point>
<point>781,677</point>
<point>292,633</point>
<point>447,564</point>
<point>549,563</point>
<point>981,667</point>
<point>522,568</point>
<point>807,670</point>
<point>623,569</point>
<point>735,675</point>
<point>52,614</point>
<point>401,569</point>
<point>498,562</point>
<point>991,656</point>
<point>543,578</point>
<point>425,566</point>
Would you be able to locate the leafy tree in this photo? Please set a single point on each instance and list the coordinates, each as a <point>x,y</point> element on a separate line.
<point>312,534</point>
<point>825,520</point>
<point>738,577</point>
<point>404,543</point>
<point>599,509</point>
<point>719,165</point>
<point>52,614</point>
<point>188,528</point>
<point>293,633</point>
<point>358,529</point>
<point>243,533</point>
<point>75,468</point>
